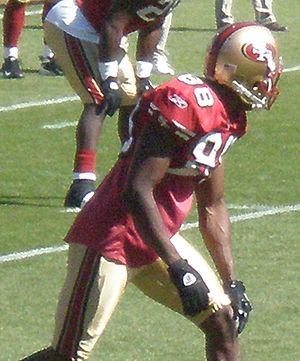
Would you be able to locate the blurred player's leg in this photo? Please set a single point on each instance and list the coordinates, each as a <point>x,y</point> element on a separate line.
<point>13,23</point>
<point>265,16</point>
<point>49,65</point>
<point>161,63</point>
<point>223,13</point>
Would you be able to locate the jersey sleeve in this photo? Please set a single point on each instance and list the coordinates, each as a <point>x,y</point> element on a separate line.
<point>187,106</point>
<point>192,111</point>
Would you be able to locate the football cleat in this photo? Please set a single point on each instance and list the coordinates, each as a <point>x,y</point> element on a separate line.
<point>50,67</point>
<point>161,64</point>
<point>47,354</point>
<point>79,193</point>
<point>276,27</point>
<point>245,57</point>
<point>11,68</point>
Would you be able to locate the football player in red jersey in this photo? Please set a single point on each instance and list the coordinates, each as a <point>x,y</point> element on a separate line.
<point>89,40</point>
<point>128,231</point>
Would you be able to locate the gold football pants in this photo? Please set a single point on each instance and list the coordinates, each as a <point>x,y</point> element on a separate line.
<point>94,286</point>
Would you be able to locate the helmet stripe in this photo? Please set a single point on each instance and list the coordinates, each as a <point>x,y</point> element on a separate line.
<point>218,42</point>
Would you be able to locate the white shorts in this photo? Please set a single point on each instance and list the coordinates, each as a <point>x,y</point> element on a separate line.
<point>79,61</point>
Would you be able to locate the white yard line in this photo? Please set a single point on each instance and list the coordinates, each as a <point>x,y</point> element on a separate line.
<point>239,218</point>
<point>33,104</point>
<point>32,253</point>
<point>294,68</point>
<point>61,125</point>
<point>253,215</point>
<point>65,99</point>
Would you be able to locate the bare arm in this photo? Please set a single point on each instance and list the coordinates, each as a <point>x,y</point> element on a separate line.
<point>152,158</point>
<point>120,14</point>
<point>214,223</point>
<point>112,32</point>
<point>149,166</point>
<point>110,54</point>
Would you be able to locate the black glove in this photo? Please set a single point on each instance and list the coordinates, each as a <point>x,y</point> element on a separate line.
<point>240,304</point>
<point>112,96</point>
<point>143,85</point>
<point>191,287</point>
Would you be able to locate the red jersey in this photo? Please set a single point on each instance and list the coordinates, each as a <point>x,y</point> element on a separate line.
<point>143,12</point>
<point>206,120</point>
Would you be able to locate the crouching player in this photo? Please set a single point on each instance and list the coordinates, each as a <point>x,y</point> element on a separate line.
<point>128,232</point>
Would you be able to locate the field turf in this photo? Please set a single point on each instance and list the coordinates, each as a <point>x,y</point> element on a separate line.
<point>37,120</point>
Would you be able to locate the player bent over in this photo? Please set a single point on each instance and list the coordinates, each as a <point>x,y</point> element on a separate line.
<point>128,231</point>
<point>87,39</point>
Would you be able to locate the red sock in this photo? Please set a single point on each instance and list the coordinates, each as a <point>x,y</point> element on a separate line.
<point>85,161</point>
<point>13,23</point>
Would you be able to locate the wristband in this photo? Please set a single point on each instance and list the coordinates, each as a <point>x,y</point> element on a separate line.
<point>143,69</point>
<point>108,69</point>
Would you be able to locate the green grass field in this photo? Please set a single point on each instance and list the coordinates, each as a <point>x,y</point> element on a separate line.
<point>263,192</point>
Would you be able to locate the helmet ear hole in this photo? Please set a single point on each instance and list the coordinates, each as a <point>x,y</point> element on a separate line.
<point>245,57</point>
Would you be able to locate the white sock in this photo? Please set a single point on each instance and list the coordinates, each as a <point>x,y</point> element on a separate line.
<point>47,52</point>
<point>13,52</point>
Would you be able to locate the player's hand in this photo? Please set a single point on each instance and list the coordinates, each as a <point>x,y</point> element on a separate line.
<point>240,304</point>
<point>191,287</point>
<point>112,96</point>
<point>143,85</point>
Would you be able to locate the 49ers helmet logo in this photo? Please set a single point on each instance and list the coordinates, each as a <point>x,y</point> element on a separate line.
<point>261,52</point>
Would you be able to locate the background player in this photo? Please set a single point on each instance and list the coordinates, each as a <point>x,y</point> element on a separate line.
<point>96,71</point>
<point>160,60</point>
<point>127,232</point>
<point>223,12</point>
<point>263,14</point>
<point>13,24</point>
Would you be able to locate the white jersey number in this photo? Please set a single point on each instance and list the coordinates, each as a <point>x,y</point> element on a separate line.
<point>152,12</point>
<point>203,95</point>
<point>210,149</point>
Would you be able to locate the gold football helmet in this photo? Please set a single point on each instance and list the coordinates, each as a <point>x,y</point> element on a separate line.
<point>245,57</point>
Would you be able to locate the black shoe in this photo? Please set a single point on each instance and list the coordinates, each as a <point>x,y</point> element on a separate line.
<point>275,27</point>
<point>11,68</point>
<point>79,193</point>
<point>45,354</point>
<point>50,67</point>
